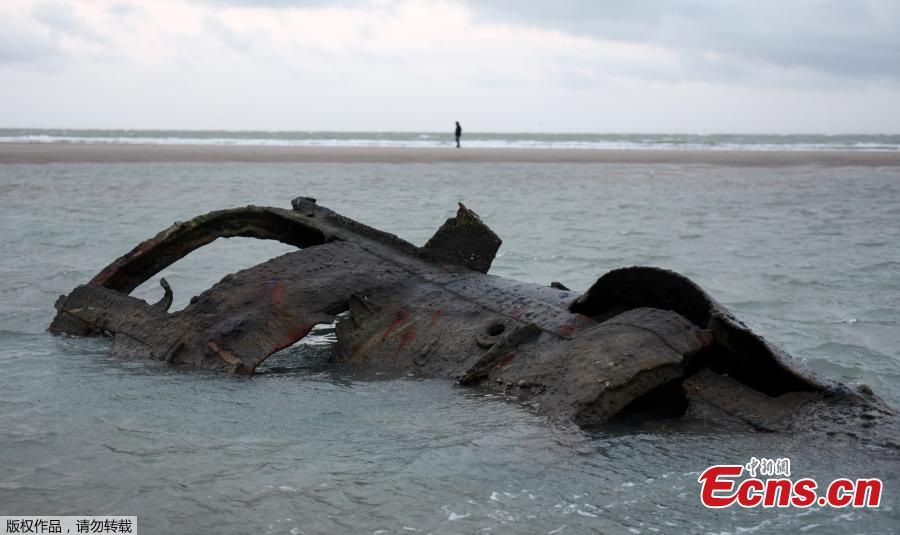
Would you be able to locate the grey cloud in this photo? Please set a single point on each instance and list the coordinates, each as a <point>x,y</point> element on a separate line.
<point>18,45</point>
<point>61,17</point>
<point>836,37</point>
<point>237,41</point>
<point>123,9</point>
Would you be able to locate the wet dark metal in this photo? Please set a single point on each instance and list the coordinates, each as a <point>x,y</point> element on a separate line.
<point>639,340</point>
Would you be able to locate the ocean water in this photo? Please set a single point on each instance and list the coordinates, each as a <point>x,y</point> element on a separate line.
<point>807,256</point>
<point>879,142</point>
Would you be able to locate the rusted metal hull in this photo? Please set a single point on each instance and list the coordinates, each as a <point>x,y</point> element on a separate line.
<point>638,338</point>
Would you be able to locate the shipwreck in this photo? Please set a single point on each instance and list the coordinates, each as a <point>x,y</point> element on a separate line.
<point>640,338</point>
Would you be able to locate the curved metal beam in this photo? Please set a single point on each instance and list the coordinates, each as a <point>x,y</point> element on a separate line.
<point>152,256</point>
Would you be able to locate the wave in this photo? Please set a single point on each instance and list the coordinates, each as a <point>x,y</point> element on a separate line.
<point>474,140</point>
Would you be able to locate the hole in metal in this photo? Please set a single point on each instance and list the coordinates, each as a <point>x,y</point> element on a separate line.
<point>496,329</point>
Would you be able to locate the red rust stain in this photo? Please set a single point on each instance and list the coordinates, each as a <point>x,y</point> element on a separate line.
<point>505,360</point>
<point>224,354</point>
<point>301,330</point>
<point>362,349</point>
<point>143,248</point>
<point>578,322</point>
<point>278,295</point>
<point>704,338</point>
<point>434,319</point>
<point>402,317</point>
<point>276,292</point>
<point>292,337</point>
<point>568,329</point>
<point>273,291</point>
<point>407,336</point>
<point>515,313</point>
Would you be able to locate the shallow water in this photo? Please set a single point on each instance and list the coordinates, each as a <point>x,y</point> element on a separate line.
<point>808,257</point>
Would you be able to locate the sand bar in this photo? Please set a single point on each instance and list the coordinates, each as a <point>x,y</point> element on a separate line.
<point>37,153</point>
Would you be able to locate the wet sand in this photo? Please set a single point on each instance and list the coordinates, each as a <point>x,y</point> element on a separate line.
<point>37,153</point>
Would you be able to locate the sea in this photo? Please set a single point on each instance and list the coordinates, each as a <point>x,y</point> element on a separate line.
<point>807,256</point>
<point>857,142</point>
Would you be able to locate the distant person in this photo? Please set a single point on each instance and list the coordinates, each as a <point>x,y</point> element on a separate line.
<point>458,133</point>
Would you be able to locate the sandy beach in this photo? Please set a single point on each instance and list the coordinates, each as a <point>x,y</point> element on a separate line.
<point>39,153</point>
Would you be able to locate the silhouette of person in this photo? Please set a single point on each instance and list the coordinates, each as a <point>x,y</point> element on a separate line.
<point>458,133</point>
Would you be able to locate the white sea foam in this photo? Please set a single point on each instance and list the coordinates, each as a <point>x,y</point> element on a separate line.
<point>474,140</point>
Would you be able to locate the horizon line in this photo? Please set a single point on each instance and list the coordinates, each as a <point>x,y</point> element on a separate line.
<point>485,132</point>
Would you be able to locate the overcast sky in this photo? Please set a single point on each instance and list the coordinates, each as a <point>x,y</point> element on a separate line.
<point>696,66</point>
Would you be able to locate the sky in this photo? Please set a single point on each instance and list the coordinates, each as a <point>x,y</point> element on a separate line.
<point>689,66</point>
